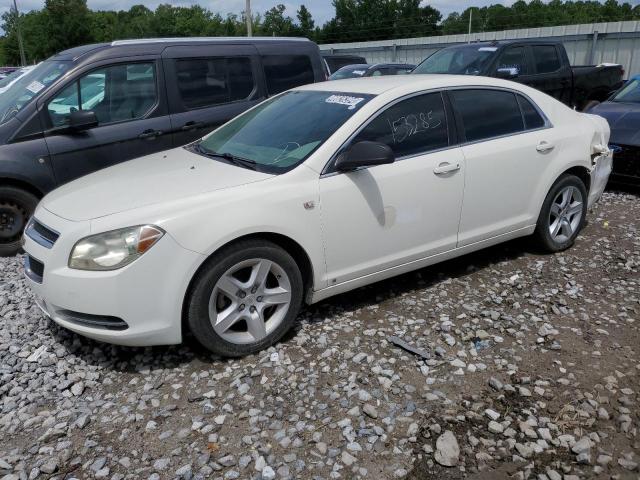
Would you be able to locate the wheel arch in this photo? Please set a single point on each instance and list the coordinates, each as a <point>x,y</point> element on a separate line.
<point>287,243</point>
<point>23,184</point>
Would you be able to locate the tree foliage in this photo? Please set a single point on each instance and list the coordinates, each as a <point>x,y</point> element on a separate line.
<point>64,24</point>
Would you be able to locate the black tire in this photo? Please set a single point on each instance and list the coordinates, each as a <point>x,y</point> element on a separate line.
<point>197,305</point>
<point>542,234</point>
<point>16,206</point>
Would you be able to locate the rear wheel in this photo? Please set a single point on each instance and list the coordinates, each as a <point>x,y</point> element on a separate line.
<point>245,298</point>
<point>16,206</point>
<point>562,215</point>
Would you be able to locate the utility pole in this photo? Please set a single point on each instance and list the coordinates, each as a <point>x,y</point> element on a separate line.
<point>247,14</point>
<point>470,17</point>
<point>23,58</point>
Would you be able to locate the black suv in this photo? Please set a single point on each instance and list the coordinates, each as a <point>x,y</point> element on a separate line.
<point>93,106</point>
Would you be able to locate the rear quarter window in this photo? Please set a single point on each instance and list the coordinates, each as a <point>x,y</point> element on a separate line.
<point>283,72</point>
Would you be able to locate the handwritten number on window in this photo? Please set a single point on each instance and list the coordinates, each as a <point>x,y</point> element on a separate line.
<point>411,124</point>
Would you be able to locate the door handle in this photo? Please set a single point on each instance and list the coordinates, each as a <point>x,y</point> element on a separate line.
<point>150,134</point>
<point>191,126</point>
<point>446,167</point>
<point>544,147</point>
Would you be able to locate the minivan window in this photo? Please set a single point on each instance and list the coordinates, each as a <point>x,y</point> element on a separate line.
<point>115,93</point>
<point>412,126</point>
<point>29,87</point>
<point>283,72</point>
<point>532,117</point>
<point>546,58</point>
<point>211,81</point>
<point>282,132</point>
<point>487,113</point>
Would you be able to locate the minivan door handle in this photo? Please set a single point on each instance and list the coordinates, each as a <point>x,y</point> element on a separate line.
<point>544,147</point>
<point>150,134</point>
<point>446,167</point>
<point>191,126</point>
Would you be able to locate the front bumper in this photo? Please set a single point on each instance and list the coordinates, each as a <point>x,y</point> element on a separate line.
<point>626,165</point>
<point>146,296</point>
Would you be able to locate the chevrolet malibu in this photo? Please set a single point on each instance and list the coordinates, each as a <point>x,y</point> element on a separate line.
<point>314,192</point>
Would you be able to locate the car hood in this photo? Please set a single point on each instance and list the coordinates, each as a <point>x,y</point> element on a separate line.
<point>161,177</point>
<point>624,120</point>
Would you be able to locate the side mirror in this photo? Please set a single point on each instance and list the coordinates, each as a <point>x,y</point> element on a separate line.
<point>508,73</point>
<point>364,154</point>
<point>81,120</point>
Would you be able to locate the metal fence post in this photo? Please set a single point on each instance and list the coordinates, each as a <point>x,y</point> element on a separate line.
<point>594,42</point>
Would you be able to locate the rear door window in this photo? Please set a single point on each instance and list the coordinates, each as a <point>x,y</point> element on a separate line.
<point>514,57</point>
<point>410,127</point>
<point>283,72</point>
<point>487,113</point>
<point>546,58</point>
<point>203,82</point>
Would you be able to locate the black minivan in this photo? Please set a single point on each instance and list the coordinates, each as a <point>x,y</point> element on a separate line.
<point>93,106</point>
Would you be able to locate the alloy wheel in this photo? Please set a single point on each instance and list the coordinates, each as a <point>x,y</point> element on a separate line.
<point>249,301</point>
<point>565,214</point>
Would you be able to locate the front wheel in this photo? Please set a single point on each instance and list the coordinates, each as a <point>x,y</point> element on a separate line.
<point>245,298</point>
<point>16,206</point>
<point>562,215</point>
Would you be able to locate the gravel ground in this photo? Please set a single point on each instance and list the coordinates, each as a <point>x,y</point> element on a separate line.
<point>533,372</point>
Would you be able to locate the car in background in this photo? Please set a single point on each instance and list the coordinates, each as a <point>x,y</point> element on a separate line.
<point>4,71</point>
<point>90,107</point>
<point>622,111</point>
<point>335,62</point>
<point>10,79</point>
<point>371,70</point>
<point>540,64</point>
<point>228,236</point>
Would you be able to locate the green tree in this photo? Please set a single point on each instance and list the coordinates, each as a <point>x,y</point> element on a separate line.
<point>306,25</point>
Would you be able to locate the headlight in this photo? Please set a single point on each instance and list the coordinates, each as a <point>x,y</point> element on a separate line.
<point>114,249</point>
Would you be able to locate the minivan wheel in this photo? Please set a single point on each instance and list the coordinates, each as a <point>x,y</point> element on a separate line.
<point>562,215</point>
<point>245,298</point>
<point>16,206</point>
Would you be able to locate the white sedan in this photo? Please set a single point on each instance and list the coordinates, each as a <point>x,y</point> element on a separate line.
<point>314,192</point>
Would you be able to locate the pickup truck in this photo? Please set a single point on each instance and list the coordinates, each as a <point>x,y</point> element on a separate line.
<point>540,64</point>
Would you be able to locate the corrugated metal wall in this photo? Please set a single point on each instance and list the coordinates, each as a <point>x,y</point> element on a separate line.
<point>615,42</point>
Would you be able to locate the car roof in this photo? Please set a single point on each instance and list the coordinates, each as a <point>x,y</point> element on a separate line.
<point>384,83</point>
<point>157,45</point>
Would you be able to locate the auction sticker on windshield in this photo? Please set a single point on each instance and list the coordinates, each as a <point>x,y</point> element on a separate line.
<point>347,100</point>
<point>35,86</point>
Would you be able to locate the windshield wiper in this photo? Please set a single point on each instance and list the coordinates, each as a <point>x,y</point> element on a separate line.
<point>234,159</point>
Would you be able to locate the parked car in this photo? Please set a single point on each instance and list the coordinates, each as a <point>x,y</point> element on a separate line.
<point>13,77</point>
<point>622,111</point>
<point>538,63</point>
<point>93,106</point>
<point>371,70</point>
<point>234,232</point>
<point>5,71</point>
<point>335,62</point>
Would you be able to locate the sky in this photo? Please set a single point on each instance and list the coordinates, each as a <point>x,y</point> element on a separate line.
<point>322,10</point>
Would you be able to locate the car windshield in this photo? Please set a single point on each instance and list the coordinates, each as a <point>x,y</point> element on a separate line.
<point>465,60</point>
<point>27,87</point>
<point>350,71</point>
<point>630,93</point>
<point>282,132</point>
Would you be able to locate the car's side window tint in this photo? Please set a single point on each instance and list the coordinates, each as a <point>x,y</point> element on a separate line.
<point>115,94</point>
<point>204,82</point>
<point>546,58</point>
<point>412,126</point>
<point>532,118</point>
<point>514,57</point>
<point>283,72</point>
<point>487,113</point>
